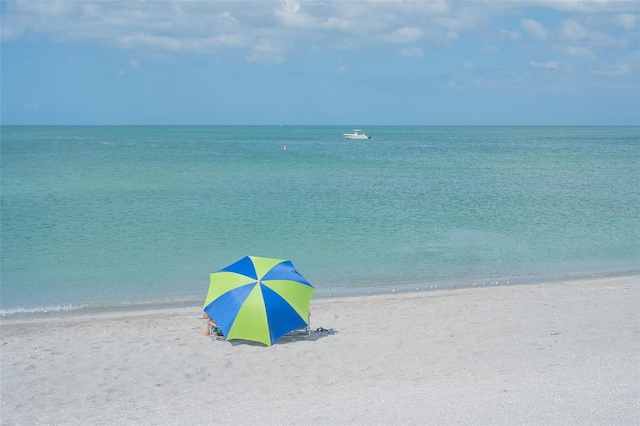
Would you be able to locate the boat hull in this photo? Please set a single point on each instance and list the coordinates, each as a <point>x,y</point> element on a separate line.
<point>350,136</point>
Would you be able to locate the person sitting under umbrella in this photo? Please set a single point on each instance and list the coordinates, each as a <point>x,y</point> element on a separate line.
<point>211,325</point>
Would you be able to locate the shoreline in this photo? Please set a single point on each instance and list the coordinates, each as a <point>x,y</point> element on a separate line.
<point>335,292</point>
<point>566,353</point>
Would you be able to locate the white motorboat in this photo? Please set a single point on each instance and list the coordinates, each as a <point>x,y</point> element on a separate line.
<point>357,134</point>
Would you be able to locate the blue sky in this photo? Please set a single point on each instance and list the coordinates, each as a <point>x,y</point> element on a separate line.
<point>310,62</point>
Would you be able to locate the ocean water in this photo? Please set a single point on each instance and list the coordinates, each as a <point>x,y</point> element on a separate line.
<point>111,216</point>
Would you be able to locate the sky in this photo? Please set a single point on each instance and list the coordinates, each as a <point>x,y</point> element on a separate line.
<point>320,62</point>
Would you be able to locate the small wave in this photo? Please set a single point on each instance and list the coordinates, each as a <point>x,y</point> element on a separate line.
<point>40,310</point>
<point>96,307</point>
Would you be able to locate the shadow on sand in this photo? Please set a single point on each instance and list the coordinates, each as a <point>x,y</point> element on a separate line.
<point>294,336</point>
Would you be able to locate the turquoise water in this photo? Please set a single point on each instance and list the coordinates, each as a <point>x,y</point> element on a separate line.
<point>114,216</point>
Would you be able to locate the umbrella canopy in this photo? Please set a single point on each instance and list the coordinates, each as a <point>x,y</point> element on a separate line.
<point>259,299</point>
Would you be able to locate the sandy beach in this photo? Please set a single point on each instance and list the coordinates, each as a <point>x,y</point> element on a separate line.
<point>557,353</point>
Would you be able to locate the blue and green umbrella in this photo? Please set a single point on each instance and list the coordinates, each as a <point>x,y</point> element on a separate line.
<point>259,299</point>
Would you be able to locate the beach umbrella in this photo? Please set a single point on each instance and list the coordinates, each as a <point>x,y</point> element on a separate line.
<point>259,299</point>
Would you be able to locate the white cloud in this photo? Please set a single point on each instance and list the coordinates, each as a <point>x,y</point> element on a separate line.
<point>291,15</point>
<point>266,52</point>
<point>509,35</point>
<point>452,35</point>
<point>288,12</point>
<point>551,65</point>
<point>588,7</point>
<point>413,52</point>
<point>580,52</point>
<point>601,40</point>
<point>535,28</point>
<point>451,84</point>
<point>270,31</point>
<point>450,23</point>
<point>403,35</point>
<point>469,65</point>
<point>206,27</point>
<point>613,70</point>
<point>572,30</point>
<point>183,44</point>
<point>626,20</point>
<point>623,66</point>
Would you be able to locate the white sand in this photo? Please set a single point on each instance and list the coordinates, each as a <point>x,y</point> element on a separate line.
<point>560,353</point>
